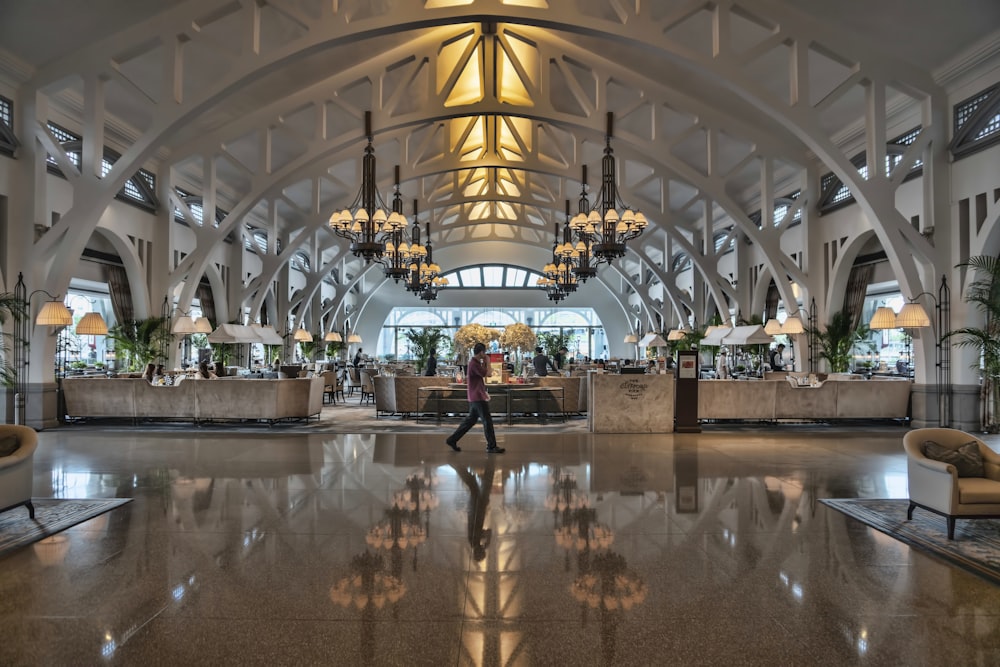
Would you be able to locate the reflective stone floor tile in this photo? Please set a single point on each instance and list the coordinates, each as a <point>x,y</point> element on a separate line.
<point>614,638</point>
<point>373,638</point>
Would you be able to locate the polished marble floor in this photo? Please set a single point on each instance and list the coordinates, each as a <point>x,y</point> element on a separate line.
<point>292,547</point>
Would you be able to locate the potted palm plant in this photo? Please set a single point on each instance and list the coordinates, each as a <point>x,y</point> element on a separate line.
<point>984,294</point>
<point>422,341</point>
<point>838,340</point>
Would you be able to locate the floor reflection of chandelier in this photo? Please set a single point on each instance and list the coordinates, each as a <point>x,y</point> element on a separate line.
<point>581,534</point>
<point>609,584</point>
<point>369,586</point>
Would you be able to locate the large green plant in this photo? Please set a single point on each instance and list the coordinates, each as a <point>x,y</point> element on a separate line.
<point>139,341</point>
<point>422,341</point>
<point>10,306</point>
<point>551,342</point>
<point>838,340</point>
<point>984,294</point>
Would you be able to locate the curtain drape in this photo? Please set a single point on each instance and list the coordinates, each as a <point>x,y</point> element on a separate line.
<point>204,294</point>
<point>857,288</point>
<point>119,292</point>
<point>771,302</point>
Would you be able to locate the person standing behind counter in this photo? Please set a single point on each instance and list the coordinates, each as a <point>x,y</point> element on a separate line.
<point>541,362</point>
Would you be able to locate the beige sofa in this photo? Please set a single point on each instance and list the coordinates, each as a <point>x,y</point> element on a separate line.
<point>198,400</point>
<point>401,394</point>
<point>574,392</point>
<point>16,472</point>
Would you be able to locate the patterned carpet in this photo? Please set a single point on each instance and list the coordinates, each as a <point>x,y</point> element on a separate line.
<point>976,546</point>
<point>52,515</point>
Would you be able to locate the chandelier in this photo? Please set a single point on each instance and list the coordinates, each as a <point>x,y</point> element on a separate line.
<point>399,254</point>
<point>366,223</point>
<point>425,276</point>
<point>610,224</point>
<point>585,266</point>
<point>558,273</point>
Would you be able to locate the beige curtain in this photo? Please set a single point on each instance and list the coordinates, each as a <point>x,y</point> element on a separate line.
<point>857,288</point>
<point>204,294</point>
<point>119,292</point>
<point>771,302</point>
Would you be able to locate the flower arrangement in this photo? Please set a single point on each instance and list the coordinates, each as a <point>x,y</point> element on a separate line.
<point>518,338</point>
<point>467,336</point>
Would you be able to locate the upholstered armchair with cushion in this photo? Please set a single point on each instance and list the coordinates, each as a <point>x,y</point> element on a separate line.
<point>17,449</point>
<point>953,474</point>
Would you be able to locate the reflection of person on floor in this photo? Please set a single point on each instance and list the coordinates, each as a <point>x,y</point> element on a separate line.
<point>479,501</point>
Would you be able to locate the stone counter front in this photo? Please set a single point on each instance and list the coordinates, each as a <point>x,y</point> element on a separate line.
<point>630,403</point>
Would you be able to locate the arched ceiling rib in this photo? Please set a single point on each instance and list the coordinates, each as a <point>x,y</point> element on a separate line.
<point>785,80</point>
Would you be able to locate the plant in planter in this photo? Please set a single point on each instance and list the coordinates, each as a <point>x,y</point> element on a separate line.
<point>838,340</point>
<point>984,294</point>
<point>422,341</point>
<point>519,339</point>
<point>139,341</point>
<point>468,335</point>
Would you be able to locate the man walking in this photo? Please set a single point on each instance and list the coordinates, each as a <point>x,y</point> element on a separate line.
<point>479,402</point>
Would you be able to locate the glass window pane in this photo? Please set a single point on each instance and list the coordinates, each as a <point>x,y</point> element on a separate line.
<point>471,277</point>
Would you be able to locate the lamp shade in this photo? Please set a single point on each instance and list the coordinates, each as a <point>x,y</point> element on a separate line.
<point>354,339</point>
<point>792,325</point>
<point>631,338</point>
<point>884,318</point>
<point>912,316</point>
<point>773,327</point>
<point>333,337</point>
<point>183,325</point>
<point>202,325</point>
<point>92,324</point>
<point>54,314</point>
<point>303,336</point>
<point>676,334</point>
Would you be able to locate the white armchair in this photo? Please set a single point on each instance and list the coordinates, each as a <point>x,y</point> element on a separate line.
<point>16,472</point>
<point>936,486</point>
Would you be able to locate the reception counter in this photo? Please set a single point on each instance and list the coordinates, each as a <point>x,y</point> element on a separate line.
<point>630,403</point>
<point>768,400</point>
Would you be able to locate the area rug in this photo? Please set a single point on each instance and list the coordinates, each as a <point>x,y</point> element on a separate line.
<point>976,546</point>
<point>52,515</point>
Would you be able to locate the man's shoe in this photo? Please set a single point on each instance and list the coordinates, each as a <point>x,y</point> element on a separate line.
<point>453,445</point>
<point>495,450</point>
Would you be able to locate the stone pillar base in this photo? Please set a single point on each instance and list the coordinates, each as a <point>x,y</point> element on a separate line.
<point>963,414</point>
<point>40,406</point>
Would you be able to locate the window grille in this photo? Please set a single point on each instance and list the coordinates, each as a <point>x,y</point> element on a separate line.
<point>977,123</point>
<point>8,142</point>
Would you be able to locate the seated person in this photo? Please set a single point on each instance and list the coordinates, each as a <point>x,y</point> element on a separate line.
<point>148,374</point>
<point>204,373</point>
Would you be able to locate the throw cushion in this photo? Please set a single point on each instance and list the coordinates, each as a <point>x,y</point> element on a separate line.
<point>967,459</point>
<point>8,445</point>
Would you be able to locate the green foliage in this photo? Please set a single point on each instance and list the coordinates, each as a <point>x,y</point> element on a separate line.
<point>139,341</point>
<point>984,294</point>
<point>422,341</point>
<point>551,342</point>
<point>838,340</point>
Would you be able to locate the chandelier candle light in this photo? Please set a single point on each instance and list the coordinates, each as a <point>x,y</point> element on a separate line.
<point>366,223</point>
<point>610,224</point>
